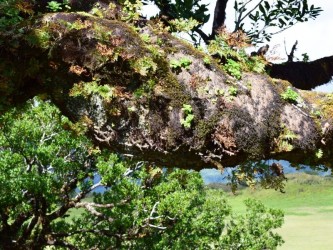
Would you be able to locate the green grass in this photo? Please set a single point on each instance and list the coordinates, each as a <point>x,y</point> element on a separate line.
<point>308,206</point>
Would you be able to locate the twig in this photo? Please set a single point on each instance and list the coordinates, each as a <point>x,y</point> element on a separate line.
<point>291,55</point>
<point>90,206</point>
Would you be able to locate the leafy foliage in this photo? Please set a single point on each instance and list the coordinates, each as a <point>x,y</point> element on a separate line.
<point>54,6</point>
<point>290,95</point>
<point>183,25</point>
<point>233,68</point>
<point>233,91</point>
<point>190,10</point>
<point>230,48</point>
<point>10,13</point>
<point>319,153</point>
<point>87,89</point>
<point>131,10</point>
<point>254,228</point>
<point>281,14</point>
<point>181,63</point>
<point>144,65</point>
<point>48,173</point>
<point>305,58</point>
<point>187,109</point>
<point>258,173</point>
<point>283,142</point>
<point>41,164</point>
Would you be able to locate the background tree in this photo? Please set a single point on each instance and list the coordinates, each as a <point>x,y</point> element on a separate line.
<point>48,175</point>
<point>262,19</point>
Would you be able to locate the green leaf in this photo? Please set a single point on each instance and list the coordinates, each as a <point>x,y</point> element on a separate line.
<point>262,9</point>
<point>267,5</point>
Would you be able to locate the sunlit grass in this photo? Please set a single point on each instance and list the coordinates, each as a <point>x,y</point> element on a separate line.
<point>302,190</point>
<point>308,206</point>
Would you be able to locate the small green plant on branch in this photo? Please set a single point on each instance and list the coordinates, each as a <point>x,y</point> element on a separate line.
<point>131,10</point>
<point>183,25</point>
<point>187,109</point>
<point>283,142</point>
<point>317,113</point>
<point>144,65</point>
<point>181,63</point>
<point>233,68</point>
<point>229,47</point>
<point>290,96</point>
<point>145,38</point>
<point>178,65</point>
<point>305,57</point>
<point>319,154</point>
<point>55,6</point>
<point>233,91</point>
<point>256,64</point>
<point>87,89</point>
<point>207,60</point>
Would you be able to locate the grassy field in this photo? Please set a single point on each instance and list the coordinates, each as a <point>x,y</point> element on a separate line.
<point>308,207</point>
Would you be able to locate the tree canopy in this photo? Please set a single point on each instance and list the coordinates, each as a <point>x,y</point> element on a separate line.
<point>50,195</point>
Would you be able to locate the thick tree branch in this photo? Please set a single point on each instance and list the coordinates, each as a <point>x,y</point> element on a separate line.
<point>304,75</point>
<point>140,108</point>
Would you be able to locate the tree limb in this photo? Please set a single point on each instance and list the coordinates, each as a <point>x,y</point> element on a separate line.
<point>304,75</point>
<point>145,120</point>
<point>91,207</point>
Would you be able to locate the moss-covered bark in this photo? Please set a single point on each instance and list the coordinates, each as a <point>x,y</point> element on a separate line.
<point>129,88</point>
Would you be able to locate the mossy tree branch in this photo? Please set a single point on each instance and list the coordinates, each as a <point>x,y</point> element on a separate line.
<point>123,86</point>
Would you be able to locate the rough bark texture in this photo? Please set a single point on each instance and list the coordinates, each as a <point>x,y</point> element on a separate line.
<point>137,108</point>
<point>219,16</point>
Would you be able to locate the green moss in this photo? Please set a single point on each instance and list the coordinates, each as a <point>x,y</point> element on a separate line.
<point>144,65</point>
<point>321,102</point>
<point>39,38</point>
<point>169,84</point>
<point>206,126</point>
<point>280,85</point>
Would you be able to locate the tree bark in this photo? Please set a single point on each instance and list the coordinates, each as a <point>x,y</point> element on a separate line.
<point>219,16</point>
<point>138,107</point>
